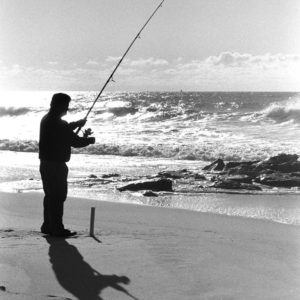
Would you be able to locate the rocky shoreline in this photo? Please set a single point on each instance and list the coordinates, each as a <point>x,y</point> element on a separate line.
<point>281,171</point>
<point>278,174</point>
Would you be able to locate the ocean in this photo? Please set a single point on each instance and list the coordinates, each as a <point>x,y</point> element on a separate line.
<point>142,133</point>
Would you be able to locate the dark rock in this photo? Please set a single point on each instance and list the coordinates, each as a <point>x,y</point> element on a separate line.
<point>92,176</point>
<point>252,187</point>
<point>245,164</point>
<point>153,185</point>
<point>279,180</point>
<point>199,176</point>
<point>150,194</point>
<point>235,185</point>
<point>217,165</point>
<point>2,288</point>
<point>240,178</point>
<point>284,163</point>
<point>283,158</point>
<point>243,170</point>
<point>174,174</point>
<point>227,184</point>
<point>110,175</point>
<point>286,167</point>
<point>181,174</point>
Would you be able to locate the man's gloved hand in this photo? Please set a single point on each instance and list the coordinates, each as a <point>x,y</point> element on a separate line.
<point>81,123</point>
<point>91,140</point>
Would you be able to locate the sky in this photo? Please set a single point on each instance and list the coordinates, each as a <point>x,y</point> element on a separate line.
<point>195,45</point>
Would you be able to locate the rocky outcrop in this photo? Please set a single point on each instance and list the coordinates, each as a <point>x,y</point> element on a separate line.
<point>180,174</point>
<point>149,194</point>
<point>153,185</point>
<point>110,175</point>
<point>235,185</point>
<point>282,170</point>
<point>279,180</point>
<point>217,165</point>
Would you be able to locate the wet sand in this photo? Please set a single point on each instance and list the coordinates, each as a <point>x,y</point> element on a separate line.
<point>142,252</point>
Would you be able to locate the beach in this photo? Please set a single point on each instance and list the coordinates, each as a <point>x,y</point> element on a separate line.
<point>170,130</point>
<point>143,252</point>
<point>188,243</point>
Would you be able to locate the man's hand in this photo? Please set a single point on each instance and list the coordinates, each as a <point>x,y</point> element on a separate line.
<point>91,140</point>
<point>81,123</point>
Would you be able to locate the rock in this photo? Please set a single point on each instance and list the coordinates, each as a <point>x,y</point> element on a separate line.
<point>150,194</point>
<point>279,180</point>
<point>2,288</point>
<point>251,187</point>
<point>240,178</point>
<point>286,167</point>
<point>199,176</point>
<point>240,164</point>
<point>283,158</point>
<point>284,163</point>
<point>92,176</point>
<point>153,185</point>
<point>217,165</point>
<point>181,174</point>
<point>226,184</point>
<point>174,174</point>
<point>110,175</point>
<point>234,185</point>
<point>243,170</point>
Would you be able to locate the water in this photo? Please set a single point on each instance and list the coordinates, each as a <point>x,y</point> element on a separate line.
<point>172,130</point>
<point>194,126</point>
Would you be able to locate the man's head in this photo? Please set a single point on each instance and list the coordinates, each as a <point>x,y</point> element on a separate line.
<point>60,103</point>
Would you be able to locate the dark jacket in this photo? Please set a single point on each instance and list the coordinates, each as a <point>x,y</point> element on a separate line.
<point>57,138</point>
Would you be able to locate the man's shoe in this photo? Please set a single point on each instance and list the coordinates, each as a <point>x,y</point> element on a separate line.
<point>63,233</point>
<point>45,230</point>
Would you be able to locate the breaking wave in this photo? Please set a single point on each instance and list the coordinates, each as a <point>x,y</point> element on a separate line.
<point>180,152</point>
<point>288,111</point>
<point>12,111</point>
<point>179,125</point>
<point>282,114</point>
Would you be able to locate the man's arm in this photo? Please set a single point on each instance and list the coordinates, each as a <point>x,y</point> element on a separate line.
<point>79,142</point>
<point>72,138</point>
<point>79,123</point>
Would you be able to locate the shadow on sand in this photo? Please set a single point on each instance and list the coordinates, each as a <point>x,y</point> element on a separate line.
<point>77,276</point>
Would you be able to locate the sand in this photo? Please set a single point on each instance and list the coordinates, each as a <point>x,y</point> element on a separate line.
<point>144,253</point>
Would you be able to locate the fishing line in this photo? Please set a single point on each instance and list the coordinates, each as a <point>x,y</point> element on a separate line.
<point>110,78</point>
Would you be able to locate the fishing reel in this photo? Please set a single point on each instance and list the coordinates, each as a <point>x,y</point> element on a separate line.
<point>87,132</point>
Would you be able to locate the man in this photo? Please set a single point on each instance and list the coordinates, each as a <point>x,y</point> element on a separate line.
<point>56,139</point>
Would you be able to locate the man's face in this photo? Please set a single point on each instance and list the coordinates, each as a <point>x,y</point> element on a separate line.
<point>64,110</point>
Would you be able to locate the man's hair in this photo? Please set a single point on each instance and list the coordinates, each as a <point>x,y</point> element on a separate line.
<point>60,100</point>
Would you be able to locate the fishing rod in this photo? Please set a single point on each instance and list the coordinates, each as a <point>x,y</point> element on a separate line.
<point>110,78</point>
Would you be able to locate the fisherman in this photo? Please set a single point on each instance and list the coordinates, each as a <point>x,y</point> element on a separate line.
<point>56,139</point>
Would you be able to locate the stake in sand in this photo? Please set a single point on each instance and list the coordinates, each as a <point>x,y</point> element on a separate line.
<point>92,221</point>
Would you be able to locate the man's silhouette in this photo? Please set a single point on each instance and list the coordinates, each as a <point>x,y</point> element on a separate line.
<point>56,139</point>
<point>78,277</point>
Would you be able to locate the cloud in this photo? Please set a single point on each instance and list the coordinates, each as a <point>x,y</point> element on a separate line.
<point>11,111</point>
<point>92,63</point>
<point>235,59</point>
<point>53,63</point>
<point>227,71</point>
<point>238,71</point>
<point>141,62</point>
<point>113,58</point>
<point>146,62</point>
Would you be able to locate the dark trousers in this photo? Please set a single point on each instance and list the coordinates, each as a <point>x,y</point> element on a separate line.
<point>54,177</point>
